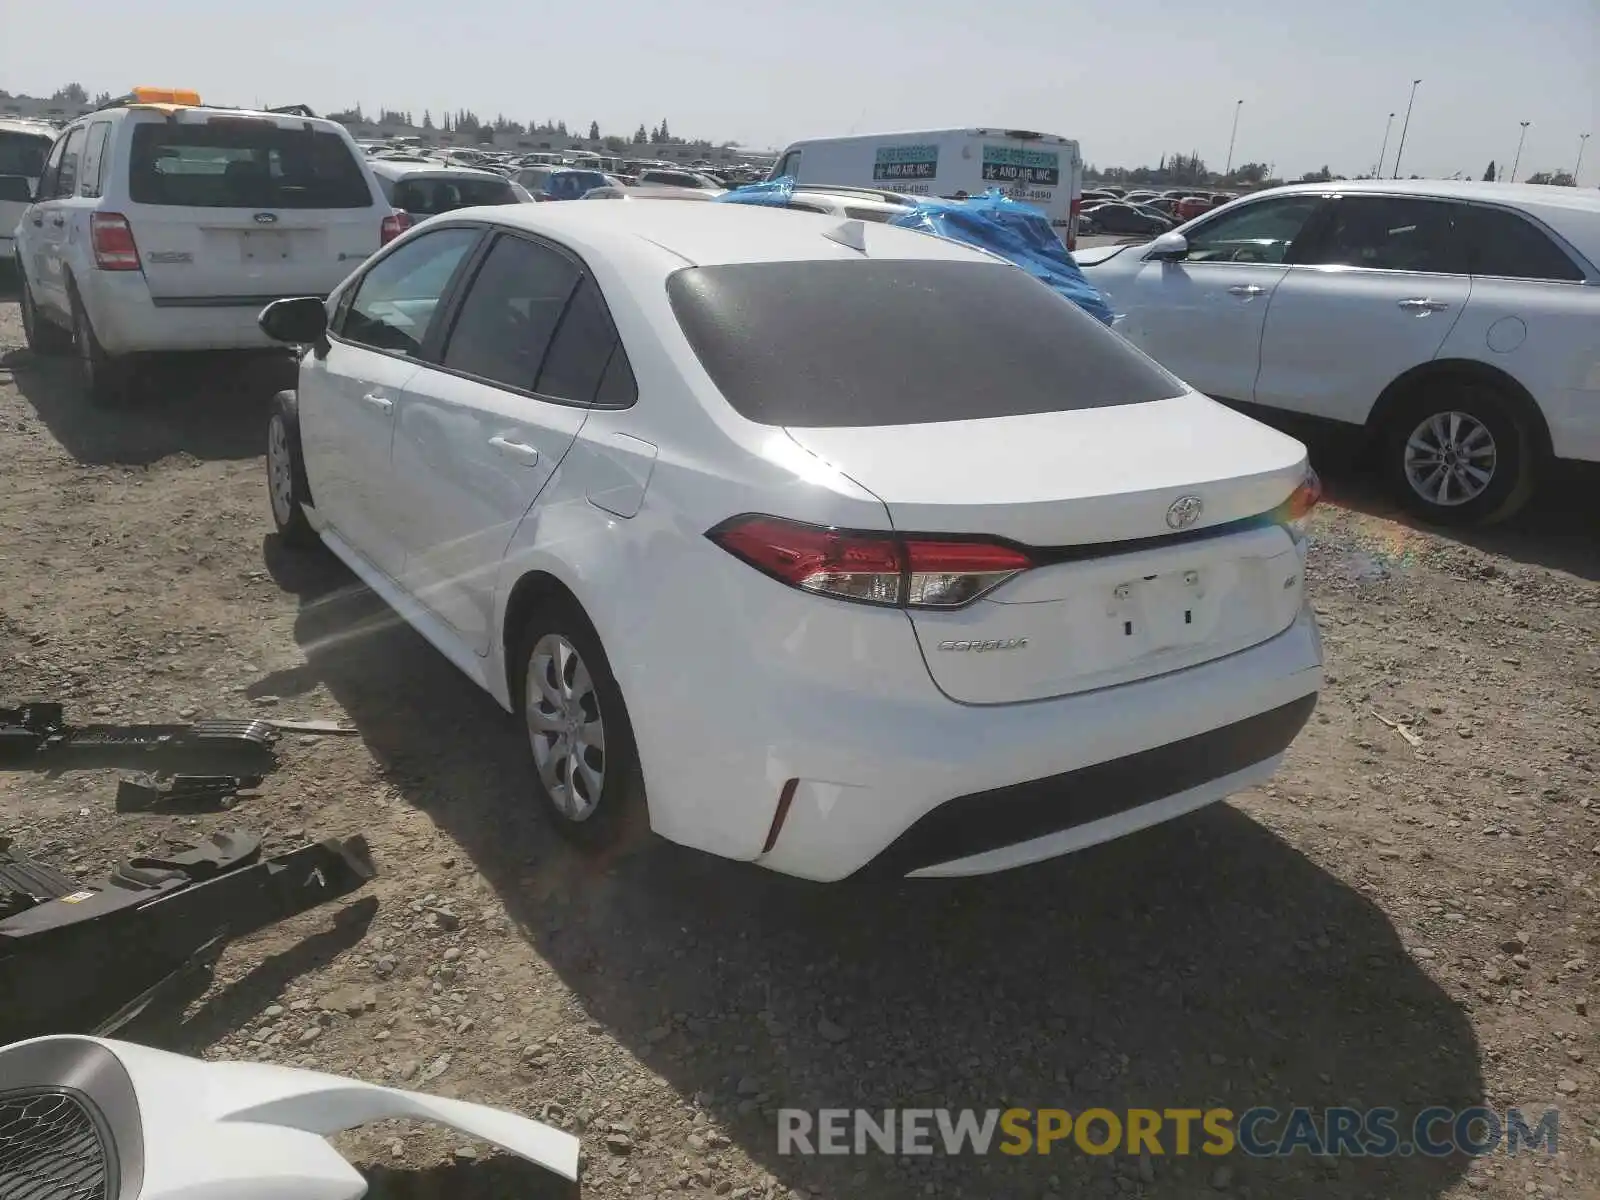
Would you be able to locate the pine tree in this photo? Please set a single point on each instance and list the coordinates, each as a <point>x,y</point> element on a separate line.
<point>594,131</point>
<point>1489,176</point>
<point>664,135</point>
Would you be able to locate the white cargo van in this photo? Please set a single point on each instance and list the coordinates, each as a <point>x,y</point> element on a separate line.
<point>1037,168</point>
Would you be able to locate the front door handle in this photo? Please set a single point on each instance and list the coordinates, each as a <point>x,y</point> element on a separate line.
<point>1246,290</point>
<point>378,400</point>
<point>58,222</point>
<point>1422,304</point>
<point>38,220</point>
<point>520,451</point>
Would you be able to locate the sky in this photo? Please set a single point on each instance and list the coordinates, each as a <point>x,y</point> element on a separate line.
<point>1129,80</point>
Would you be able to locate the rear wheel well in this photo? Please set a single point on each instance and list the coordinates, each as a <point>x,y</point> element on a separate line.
<point>527,594</point>
<point>1523,405</point>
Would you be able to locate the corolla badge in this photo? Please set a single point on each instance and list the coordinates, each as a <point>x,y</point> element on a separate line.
<point>266,218</point>
<point>1184,511</point>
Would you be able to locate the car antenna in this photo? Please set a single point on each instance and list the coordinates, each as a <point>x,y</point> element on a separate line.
<point>849,233</point>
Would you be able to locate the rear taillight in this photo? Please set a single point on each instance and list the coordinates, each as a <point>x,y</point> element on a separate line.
<point>394,225</point>
<point>872,568</point>
<point>1072,227</point>
<point>112,239</point>
<point>1294,511</point>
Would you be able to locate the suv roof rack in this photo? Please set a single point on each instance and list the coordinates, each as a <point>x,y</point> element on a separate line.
<point>293,110</point>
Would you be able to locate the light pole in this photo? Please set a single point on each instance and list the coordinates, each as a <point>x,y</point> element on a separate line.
<point>1377,172</point>
<point>1231,137</point>
<point>1583,138</point>
<point>1518,158</point>
<point>1405,125</point>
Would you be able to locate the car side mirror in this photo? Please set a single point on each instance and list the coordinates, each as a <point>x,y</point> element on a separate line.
<point>1168,247</point>
<point>298,321</point>
<point>16,189</point>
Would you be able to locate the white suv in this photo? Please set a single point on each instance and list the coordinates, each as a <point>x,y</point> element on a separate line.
<point>1455,321</point>
<point>160,224</point>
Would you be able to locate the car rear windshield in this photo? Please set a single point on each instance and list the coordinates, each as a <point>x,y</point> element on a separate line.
<point>901,342</point>
<point>243,163</point>
<point>23,154</point>
<point>431,196</point>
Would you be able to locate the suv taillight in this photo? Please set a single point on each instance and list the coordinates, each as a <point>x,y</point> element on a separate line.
<point>394,225</point>
<point>870,567</point>
<point>112,239</point>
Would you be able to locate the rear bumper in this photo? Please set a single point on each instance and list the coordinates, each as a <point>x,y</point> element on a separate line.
<point>954,790</point>
<point>127,320</point>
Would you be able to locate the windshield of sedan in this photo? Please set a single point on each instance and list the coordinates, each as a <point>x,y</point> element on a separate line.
<point>846,343</point>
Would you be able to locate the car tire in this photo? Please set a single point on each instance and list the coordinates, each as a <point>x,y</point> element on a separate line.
<point>586,773</point>
<point>1441,443</point>
<point>288,491</point>
<point>43,336</point>
<point>107,380</point>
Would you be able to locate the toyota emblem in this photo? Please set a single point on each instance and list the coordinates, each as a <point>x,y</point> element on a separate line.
<point>1184,511</point>
<point>266,218</point>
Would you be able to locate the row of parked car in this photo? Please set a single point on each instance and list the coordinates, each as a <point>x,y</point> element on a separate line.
<point>642,470</point>
<point>1110,210</point>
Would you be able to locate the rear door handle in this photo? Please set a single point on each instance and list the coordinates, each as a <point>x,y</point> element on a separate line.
<point>1246,290</point>
<point>58,221</point>
<point>1421,304</point>
<point>520,451</point>
<point>37,220</point>
<point>378,400</point>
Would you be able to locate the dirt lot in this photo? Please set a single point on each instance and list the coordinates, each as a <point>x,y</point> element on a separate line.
<point>1385,925</point>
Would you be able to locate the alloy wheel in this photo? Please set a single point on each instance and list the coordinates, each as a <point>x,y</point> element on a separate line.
<point>280,475</point>
<point>565,727</point>
<point>1450,458</point>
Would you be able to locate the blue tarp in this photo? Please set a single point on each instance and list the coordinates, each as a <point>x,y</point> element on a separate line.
<point>993,222</point>
<point>1015,231</point>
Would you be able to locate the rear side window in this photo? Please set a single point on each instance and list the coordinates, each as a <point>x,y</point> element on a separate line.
<point>71,158</point>
<point>1390,233</point>
<point>901,342</point>
<point>94,158</point>
<point>429,197</point>
<point>1509,245</point>
<point>243,162</point>
<point>582,348</point>
<point>510,312</point>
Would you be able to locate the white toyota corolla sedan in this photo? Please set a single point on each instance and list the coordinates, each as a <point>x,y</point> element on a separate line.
<point>830,546</point>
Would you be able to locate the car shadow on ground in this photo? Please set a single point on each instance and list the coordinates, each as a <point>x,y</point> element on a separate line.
<point>1203,964</point>
<point>1559,529</point>
<point>211,407</point>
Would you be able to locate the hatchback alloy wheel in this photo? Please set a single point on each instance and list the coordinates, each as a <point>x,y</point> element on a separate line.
<point>565,727</point>
<point>1450,458</point>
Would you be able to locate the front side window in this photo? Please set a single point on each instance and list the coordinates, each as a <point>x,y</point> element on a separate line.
<point>1390,233</point>
<point>1509,245</point>
<point>510,313</point>
<point>52,170</point>
<point>243,162</point>
<point>1263,232</point>
<point>395,301</point>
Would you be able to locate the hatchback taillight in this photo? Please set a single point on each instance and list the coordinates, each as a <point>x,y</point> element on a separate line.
<point>871,567</point>
<point>394,225</point>
<point>112,239</point>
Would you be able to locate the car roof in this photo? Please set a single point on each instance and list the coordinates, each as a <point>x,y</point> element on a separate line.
<point>715,234</point>
<point>24,125</point>
<point>1522,195</point>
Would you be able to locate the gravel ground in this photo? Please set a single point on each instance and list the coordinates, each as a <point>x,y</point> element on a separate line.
<point>1386,924</point>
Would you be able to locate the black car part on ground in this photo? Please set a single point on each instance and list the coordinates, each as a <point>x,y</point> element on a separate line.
<point>37,736</point>
<point>140,793</point>
<point>77,959</point>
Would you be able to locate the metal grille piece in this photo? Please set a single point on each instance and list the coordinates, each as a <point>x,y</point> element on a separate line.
<point>50,1148</point>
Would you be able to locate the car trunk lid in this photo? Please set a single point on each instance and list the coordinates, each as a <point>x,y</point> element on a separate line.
<point>1145,524</point>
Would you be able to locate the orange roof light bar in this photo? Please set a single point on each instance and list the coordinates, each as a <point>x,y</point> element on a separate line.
<point>155,95</point>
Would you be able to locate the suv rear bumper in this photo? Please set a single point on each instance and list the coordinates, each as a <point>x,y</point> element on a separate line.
<point>127,320</point>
